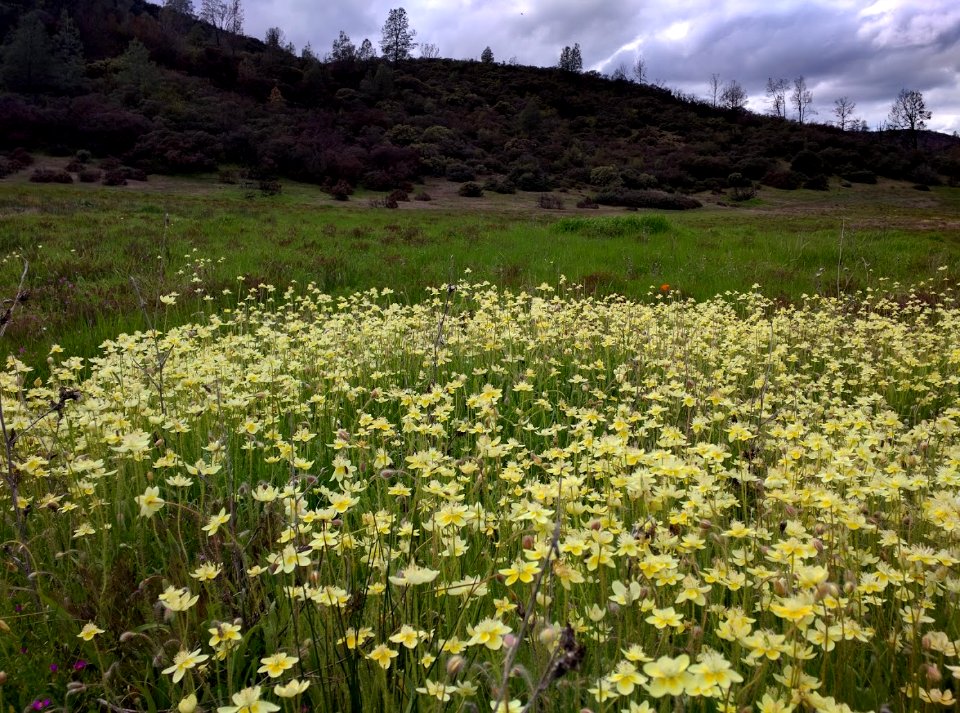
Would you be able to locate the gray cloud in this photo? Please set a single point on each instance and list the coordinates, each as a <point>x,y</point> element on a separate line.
<point>867,50</point>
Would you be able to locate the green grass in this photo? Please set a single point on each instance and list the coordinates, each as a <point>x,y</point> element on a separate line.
<point>84,243</point>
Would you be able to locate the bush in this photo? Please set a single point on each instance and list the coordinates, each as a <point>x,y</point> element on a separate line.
<point>471,190</point>
<point>743,193</point>
<point>532,181</point>
<point>862,176</point>
<point>341,190</point>
<point>738,180</point>
<point>8,167</point>
<point>228,176</point>
<point>83,156</point>
<point>89,175</point>
<point>460,173</point>
<point>784,180</point>
<point>925,174</point>
<point>817,183</point>
<point>588,203</point>
<point>114,177</point>
<point>50,175</point>
<point>807,163</point>
<point>637,180</point>
<point>605,176</point>
<point>500,185</point>
<point>422,196</point>
<point>398,196</point>
<point>550,202</point>
<point>647,199</point>
<point>134,174</point>
<point>74,166</point>
<point>269,188</point>
<point>921,187</point>
<point>21,156</point>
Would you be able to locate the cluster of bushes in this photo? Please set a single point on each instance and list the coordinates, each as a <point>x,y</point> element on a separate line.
<point>50,175</point>
<point>14,161</point>
<point>659,200</point>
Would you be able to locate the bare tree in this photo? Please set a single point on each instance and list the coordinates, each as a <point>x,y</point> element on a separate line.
<point>366,51</point>
<point>801,99</point>
<point>428,50</point>
<point>909,112</point>
<point>224,16</point>
<point>620,73</point>
<point>733,95</point>
<point>843,109</point>
<point>777,92</point>
<point>716,89</point>
<point>640,70</point>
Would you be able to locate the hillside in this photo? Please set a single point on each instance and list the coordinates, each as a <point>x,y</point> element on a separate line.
<point>163,93</point>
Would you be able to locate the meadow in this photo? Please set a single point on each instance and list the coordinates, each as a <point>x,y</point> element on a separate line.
<point>430,460</point>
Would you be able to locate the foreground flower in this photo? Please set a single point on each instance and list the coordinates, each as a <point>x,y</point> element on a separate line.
<point>150,502</point>
<point>183,661</point>
<point>178,599</point>
<point>440,691</point>
<point>667,676</point>
<point>248,701</point>
<point>489,632</point>
<point>89,631</point>
<point>187,704</point>
<point>625,677</point>
<point>413,575</point>
<point>221,518</point>
<point>275,665</point>
<point>383,655</point>
<point>293,687</point>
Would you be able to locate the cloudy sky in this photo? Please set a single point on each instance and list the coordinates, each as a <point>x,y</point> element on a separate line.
<point>867,50</point>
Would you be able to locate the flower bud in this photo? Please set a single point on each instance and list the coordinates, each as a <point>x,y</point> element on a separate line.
<point>455,665</point>
<point>933,674</point>
<point>188,704</point>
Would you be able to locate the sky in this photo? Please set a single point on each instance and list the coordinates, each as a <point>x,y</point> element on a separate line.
<point>866,50</point>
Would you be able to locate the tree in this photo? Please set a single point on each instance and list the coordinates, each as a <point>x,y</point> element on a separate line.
<point>487,55</point>
<point>224,16</point>
<point>777,91</point>
<point>733,95</point>
<point>428,50</point>
<point>397,41</point>
<point>909,112</point>
<point>570,59</point>
<point>27,59</point>
<point>366,51</point>
<point>137,75</point>
<point>640,70</point>
<point>68,62</point>
<point>801,99</point>
<point>620,73</point>
<point>843,109</point>
<point>343,49</point>
<point>176,16</point>
<point>716,89</point>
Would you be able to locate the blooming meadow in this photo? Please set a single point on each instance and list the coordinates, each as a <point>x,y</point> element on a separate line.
<point>490,500</point>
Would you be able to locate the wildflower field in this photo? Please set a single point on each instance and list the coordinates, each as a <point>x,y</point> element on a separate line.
<point>490,500</point>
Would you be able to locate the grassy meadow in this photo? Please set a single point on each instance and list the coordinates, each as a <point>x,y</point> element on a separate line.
<point>475,456</point>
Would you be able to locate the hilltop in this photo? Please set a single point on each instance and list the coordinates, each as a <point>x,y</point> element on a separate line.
<point>161,92</point>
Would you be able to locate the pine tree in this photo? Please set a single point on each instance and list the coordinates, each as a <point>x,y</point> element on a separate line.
<point>28,59</point>
<point>69,66</point>
<point>487,56</point>
<point>397,41</point>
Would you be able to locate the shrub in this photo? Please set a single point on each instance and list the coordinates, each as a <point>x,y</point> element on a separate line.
<point>398,195</point>
<point>647,199</point>
<point>605,176</point>
<point>588,203</point>
<point>74,166</point>
<point>228,176</point>
<point>638,180</point>
<point>807,163</point>
<point>738,180</point>
<point>925,174</point>
<point>550,202</point>
<point>377,180</point>
<point>500,185</point>
<point>7,167</point>
<point>83,156</point>
<point>21,156</point>
<point>743,193</point>
<point>390,203</point>
<point>460,173</point>
<point>861,176</point>
<point>89,175</point>
<point>114,177</point>
<point>532,181</point>
<point>818,182</point>
<point>422,196</point>
<point>921,187</point>
<point>471,190</point>
<point>134,174</point>
<point>50,175</point>
<point>341,190</point>
<point>784,180</point>
<point>269,187</point>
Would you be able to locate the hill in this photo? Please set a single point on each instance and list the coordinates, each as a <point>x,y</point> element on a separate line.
<point>161,92</point>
